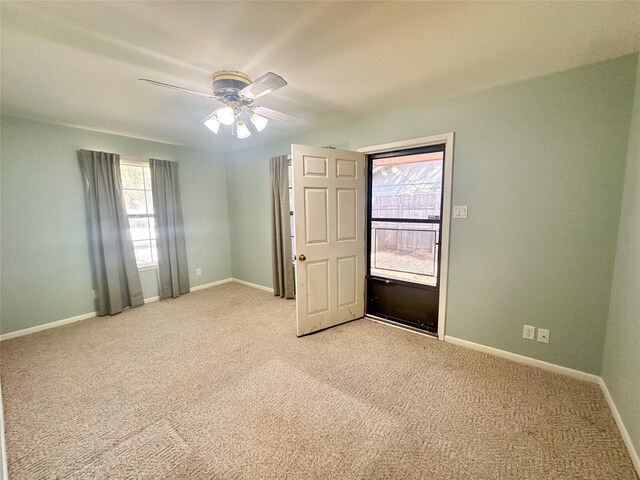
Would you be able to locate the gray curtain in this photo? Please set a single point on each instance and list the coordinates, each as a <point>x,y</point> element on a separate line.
<point>283,282</point>
<point>173,271</point>
<point>116,274</point>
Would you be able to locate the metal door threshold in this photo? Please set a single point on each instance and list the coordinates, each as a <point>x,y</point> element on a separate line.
<point>401,326</point>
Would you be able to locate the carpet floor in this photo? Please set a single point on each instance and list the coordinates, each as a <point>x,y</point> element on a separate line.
<point>215,385</point>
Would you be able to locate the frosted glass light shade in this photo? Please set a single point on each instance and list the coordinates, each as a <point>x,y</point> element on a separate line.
<point>212,123</point>
<point>259,121</point>
<point>226,115</point>
<point>241,130</point>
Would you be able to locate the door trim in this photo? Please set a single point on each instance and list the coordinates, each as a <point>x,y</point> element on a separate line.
<point>447,140</point>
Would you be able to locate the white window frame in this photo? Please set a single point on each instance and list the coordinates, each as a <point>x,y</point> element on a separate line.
<point>139,162</point>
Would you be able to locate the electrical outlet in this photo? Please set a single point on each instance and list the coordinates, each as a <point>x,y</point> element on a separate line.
<point>95,294</point>
<point>529,332</point>
<point>543,335</point>
<point>198,272</point>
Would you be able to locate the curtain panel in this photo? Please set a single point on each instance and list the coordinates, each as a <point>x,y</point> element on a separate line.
<point>282,266</point>
<point>173,271</point>
<point>115,270</point>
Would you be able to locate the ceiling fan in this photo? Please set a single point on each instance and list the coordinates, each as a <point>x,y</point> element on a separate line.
<point>237,92</point>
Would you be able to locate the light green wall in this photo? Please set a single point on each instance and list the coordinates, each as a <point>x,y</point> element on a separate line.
<point>621,362</point>
<point>540,164</point>
<point>46,274</point>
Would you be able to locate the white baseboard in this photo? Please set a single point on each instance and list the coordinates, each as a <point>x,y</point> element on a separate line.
<point>253,285</point>
<point>47,326</point>
<point>193,289</point>
<point>3,444</point>
<point>526,360</point>
<point>564,371</point>
<point>623,430</point>
<point>58,323</point>
<point>86,316</point>
<point>212,284</point>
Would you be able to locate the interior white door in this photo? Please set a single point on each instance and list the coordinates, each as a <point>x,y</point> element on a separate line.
<point>329,214</point>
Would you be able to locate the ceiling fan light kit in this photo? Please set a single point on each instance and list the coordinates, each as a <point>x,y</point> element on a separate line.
<point>226,115</point>
<point>237,92</point>
<point>259,121</point>
<point>242,131</point>
<point>212,122</point>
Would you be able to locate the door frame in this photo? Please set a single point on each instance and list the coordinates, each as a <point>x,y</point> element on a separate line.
<point>447,140</point>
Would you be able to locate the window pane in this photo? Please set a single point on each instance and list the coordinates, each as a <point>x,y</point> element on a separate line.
<point>139,228</point>
<point>149,200</point>
<point>147,178</point>
<point>407,187</point>
<point>152,227</point>
<point>291,201</point>
<point>135,202</point>
<point>293,239</point>
<point>143,252</point>
<point>154,251</point>
<point>404,251</point>
<point>131,176</point>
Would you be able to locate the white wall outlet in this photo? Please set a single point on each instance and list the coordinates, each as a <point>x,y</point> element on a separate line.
<point>95,294</point>
<point>198,271</point>
<point>529,332</point>
<point>543,335</point>
<point>460,211</point>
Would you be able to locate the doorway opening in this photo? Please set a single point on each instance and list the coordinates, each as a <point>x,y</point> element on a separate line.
<point>404,224</point>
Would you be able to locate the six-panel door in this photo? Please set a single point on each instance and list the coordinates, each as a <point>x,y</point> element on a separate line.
<point>329,196</point>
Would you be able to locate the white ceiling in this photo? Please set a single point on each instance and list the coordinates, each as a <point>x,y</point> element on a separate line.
<point>77,63</point>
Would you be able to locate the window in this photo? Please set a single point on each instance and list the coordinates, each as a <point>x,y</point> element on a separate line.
<point>136,184</point>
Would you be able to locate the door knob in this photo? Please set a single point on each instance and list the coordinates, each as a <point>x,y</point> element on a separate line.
<point>302,258</point>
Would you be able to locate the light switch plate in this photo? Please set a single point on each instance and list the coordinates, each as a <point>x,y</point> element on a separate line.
<point>460,211</point>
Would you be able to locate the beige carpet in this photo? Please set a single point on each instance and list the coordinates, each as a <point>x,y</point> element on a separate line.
<point>215,385</point>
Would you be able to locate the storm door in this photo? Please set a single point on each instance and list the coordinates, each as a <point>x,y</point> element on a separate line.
<point>405,225</point>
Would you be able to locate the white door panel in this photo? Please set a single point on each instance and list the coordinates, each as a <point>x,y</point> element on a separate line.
<point>317,217</point>
<point>329,195</point>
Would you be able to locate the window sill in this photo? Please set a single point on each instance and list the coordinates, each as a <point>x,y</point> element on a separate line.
<point>148,266</point>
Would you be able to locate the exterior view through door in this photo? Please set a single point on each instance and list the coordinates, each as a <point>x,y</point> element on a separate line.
<point>405,227</point>
<point>329,216</point>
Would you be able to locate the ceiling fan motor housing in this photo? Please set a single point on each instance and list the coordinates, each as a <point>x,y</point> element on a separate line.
<point>227,83</point>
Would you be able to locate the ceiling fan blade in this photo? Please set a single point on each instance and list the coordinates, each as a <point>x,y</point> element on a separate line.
<point>275,115</point>
<point>265,84</point>
<point>175,87</point>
